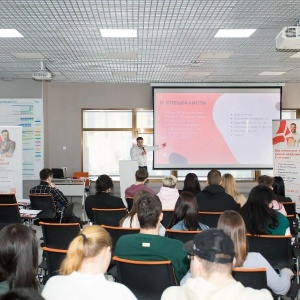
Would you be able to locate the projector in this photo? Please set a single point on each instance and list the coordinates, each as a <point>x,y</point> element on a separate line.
<point>42,75</point>
<point>288,39</point>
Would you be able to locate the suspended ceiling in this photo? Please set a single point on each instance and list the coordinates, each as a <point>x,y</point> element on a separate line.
<point>175,40</point>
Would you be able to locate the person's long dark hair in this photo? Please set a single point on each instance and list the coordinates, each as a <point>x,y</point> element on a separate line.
<point>19,256</point>
<point>257,214</point>
<point>186,209</point>
<point>278,186</point>
<point>191,184</point>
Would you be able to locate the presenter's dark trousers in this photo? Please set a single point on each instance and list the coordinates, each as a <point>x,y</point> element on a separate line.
<point>144,167</point>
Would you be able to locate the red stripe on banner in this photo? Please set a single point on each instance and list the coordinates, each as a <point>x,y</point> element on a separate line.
<point>287,131</point>
<point>278,139</point>
<point>282,126</point>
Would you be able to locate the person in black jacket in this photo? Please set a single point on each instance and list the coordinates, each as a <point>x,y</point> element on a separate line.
<point>102,198</point>
<point>213,197</point>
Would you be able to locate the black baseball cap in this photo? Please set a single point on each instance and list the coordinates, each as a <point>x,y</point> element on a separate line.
<point>208,243</point>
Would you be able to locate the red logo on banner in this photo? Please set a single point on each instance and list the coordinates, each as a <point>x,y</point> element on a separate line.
<point>282,132</point>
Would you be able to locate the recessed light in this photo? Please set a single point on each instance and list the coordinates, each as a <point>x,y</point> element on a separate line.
<point>212,55</point>
<point>266,73</point>
<point>124,73</point>
<point>234,33</point>
<point>28,55</point>
<point>10,33</point>
<point>119,33</point>
<point>296,55</point>
<point>192,73</point>
<point>122,55</point>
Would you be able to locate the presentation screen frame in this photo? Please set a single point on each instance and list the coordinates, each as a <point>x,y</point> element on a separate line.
<point>224,111</point>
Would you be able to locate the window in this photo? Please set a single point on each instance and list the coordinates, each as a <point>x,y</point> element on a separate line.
<point>108,135</point>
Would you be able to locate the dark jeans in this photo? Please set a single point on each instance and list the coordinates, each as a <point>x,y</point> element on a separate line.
<point>145,167</point>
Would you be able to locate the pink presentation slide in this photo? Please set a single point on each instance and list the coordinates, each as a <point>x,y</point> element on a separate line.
<point>214,129</point>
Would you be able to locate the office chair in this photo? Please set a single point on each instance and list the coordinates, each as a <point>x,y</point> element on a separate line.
<point>210,218</point>
<point>181,235</point>
<point>9,213</point>
<point>8,199</point>
<point>59,235</point>
<point>146,279</point>
<point>108,216</point>
<point>45,203</point>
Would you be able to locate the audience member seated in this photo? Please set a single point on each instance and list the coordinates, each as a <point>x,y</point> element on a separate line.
<point>212,260</point>
<point>279,190</point>
<point>46,186</point>
<point>102,198</point>
<point>168,193</point>
<point>141,176</point>
<point>132,221</point>
<point>191,184</point>
<point>233,225</point>
<point>213,196</point>
<point>229,184</point>
<point>148,245</point>
<point>82,271</point>
<point>186,215</point>
<point>268,181</point>
<point>260,217</point>
<point>19,258</point>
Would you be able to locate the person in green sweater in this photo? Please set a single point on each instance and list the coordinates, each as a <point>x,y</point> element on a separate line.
<point>148,245</point>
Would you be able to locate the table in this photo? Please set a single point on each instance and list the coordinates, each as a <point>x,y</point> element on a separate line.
<point>71,187</point>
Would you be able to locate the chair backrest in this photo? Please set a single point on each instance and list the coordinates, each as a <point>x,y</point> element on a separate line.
<point>54,258</point>
<point>210,218</point>
<point>146,279</point>
<point>168,213</point>
<point>82,175</point>
<point>129,201</point>
<point>9,213</point>
<point>45,203</point>
<point>290,207</point>
<point>108,216</point>
<point>255,278</point>
<point>8,199</point>
<point>181,235</point>
<point>59,235</point>
<point>117,232</point>
<point>276,249</point>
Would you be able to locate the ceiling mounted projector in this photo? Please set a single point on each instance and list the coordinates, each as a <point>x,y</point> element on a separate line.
<point>43,74</point>
<point>288,39</point>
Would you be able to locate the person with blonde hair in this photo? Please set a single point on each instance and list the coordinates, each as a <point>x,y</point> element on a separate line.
<point>233,224</point>
<point>82,271</point>
<point>229,184</point>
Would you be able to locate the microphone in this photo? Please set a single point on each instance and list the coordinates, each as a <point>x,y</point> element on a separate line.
<point>143,148</point>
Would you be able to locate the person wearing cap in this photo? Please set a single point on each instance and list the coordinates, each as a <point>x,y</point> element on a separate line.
<point>168,193</point>
<point>212,259</point>
<point>213,197</point>
<point>147,245</point>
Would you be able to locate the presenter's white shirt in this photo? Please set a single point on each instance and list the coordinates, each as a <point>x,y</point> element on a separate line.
<point>79,286</point>
<point>136,154</point>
